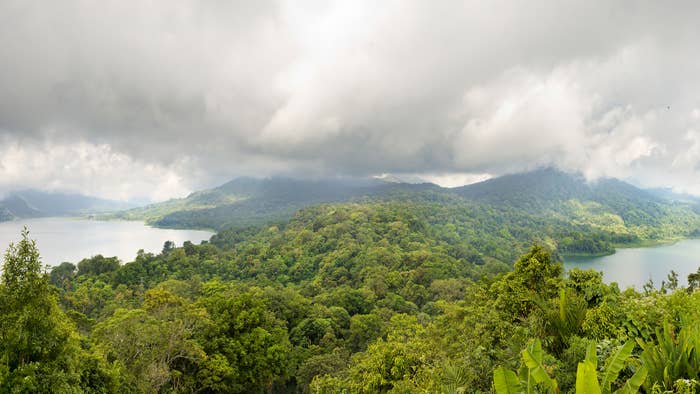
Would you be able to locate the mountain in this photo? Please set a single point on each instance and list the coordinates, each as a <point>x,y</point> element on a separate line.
<point>5,214</point>
<point>533,191</point>
<point>18,207</point>
<point>248,201</point>
<point>579,216</point>
<point>670,195</point>
<point>35,203</point>
<point>553,190</point>
<point>548,187</point>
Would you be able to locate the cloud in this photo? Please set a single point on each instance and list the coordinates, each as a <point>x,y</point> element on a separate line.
<point>92,169</point>
<point>185,95</point>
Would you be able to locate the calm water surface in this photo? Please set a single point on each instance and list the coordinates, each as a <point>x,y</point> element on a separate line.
<point>634,266</point>
<point>68,239</point>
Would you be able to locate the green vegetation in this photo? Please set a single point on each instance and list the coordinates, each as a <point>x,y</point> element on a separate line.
<point>247,201</point>
<point>373,297</point>
<point>558,209</point>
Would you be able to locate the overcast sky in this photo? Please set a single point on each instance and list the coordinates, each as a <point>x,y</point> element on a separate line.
<point>153,99</point>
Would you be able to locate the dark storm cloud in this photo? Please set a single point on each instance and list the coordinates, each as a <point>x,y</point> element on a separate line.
<point>179,95</point>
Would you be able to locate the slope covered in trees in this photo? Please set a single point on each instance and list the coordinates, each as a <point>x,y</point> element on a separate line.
<point>376,297</point>
<point>249,201</point>
<point>579,217</point>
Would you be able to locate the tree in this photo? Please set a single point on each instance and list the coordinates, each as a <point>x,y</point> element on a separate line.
<point>39,350</point>
<point>694,281</point>
<point>153,348</point>
<point>62,276</point>
<point>247,345</point>
<point>672,280</point>
<point>98,265</point>
<point>168,247</point>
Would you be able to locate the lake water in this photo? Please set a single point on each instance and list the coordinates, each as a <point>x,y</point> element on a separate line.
<point>634,266</point>
<point>68,239</point>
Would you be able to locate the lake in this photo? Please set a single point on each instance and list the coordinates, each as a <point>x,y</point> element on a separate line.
<point>634,266</point>
<point>70,239</point>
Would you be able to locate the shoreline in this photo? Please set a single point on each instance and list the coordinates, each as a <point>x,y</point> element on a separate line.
<point>148,224</point>
<point>635,245</point>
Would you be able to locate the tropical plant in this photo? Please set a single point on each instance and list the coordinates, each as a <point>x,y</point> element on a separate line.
<point>674,356</point>
<point>587,380</point>
<point>533,377</point>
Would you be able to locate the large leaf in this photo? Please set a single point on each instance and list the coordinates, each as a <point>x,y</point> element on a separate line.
<point>536,369</point>
<point>633,384</point>
<point>591,356</point>
<point>615,363</point>
<point>506,381</point>
<point>535,350</point>
<point>587,379</point>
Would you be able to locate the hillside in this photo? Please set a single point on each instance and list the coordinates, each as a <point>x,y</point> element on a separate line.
<point>34,203</point>
<point>550,190</point>
<point>248,201</point>
<point>580,217</point>
<point>403,288</point>
<point>610,205</point>
<point>357,297</point>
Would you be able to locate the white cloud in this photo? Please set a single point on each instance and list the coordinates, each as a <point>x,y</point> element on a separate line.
<point>93,169</point>
<point>454,179</point>
<point>196,92</point>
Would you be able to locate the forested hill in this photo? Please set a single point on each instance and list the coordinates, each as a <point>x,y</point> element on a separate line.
<point>550,190</point>
<point>381,297</point>
<point>250,201</point>
<point>580,217</point>
<point>35,203</point>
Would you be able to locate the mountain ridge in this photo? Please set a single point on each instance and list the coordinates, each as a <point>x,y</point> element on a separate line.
<point>547,192</point>
<point>32,203</point>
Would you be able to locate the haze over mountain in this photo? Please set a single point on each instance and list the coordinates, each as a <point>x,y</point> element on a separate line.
<point>34,203</point>
<point>545,195</point>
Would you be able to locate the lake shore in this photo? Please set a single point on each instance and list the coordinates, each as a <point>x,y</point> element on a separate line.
<point>71,239</point>
<point>634,266</point>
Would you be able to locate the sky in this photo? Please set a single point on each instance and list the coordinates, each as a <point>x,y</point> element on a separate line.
<point>154,99</point>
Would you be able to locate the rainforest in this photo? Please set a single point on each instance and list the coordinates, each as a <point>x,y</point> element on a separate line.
<point>404,295</point>
<point>349,196</point>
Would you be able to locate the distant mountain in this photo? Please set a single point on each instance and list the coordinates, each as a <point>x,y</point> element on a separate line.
<point>34,203</point>
<point>577,215</point>
<point>670,195</point>
<point>536,190</point>
<point>5,214</point>
<point>18,207</point>
<point>553,190</point>
<point>246,201</point>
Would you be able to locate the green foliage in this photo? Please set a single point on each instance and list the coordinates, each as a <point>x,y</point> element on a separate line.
<point>535,372</point>
<point>427,292</point>
<point>533,376</point>
<point>672,356</point>
<point>506,381</point>
<point>246,337</point>
<point>615,364</point>
<point>39,347</point>
<point>587,378</point>
<point>545,205</point>
<point>154,348</point>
